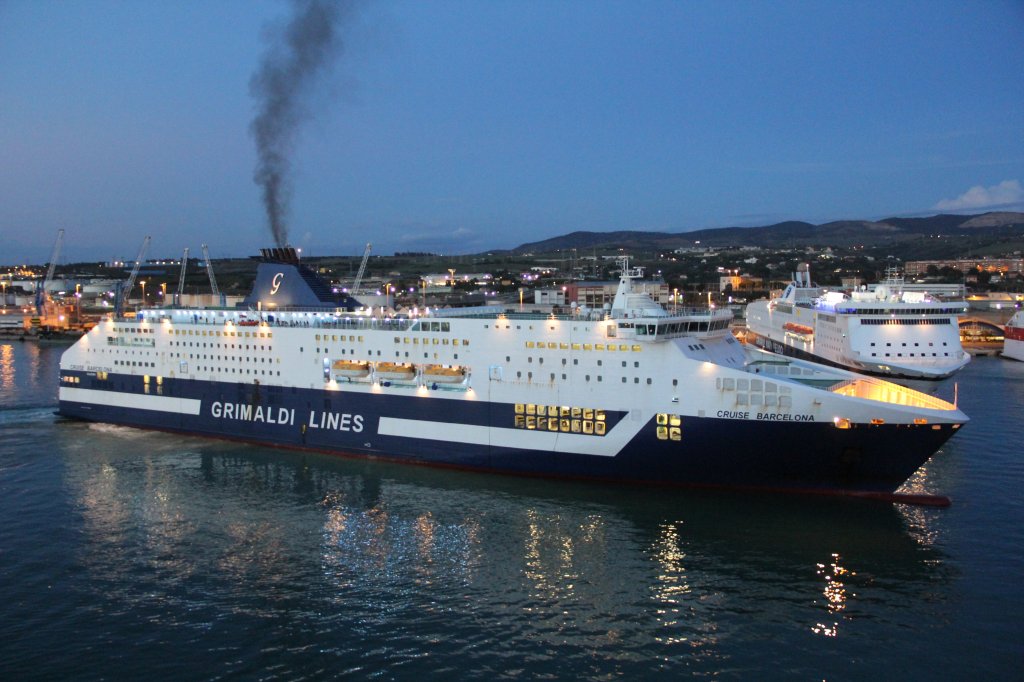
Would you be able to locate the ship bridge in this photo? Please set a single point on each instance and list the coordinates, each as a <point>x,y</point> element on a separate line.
<point>637,315</point>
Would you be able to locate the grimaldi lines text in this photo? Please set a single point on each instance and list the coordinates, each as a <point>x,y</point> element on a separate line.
<point>635,393</point>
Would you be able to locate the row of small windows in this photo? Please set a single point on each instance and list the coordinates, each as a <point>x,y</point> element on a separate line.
<point>588,428</point>
<point>566,419</point>
<point>691,327</point>
<point>636,348</point>
<point>133,341</point>
<point>912,355</point>
<point>233,370</point>
<point>902,321</point>
<point>425,326</point>
<point>903,311</point>
<point>198,356</point>
<point>636,380</point>
<point>133,363</point>
<point>426,342</point>
<point>196,344</point>
<point>916,343</point>
<point>216,332</point>
<point>561,411</point>
<point>334,337</point>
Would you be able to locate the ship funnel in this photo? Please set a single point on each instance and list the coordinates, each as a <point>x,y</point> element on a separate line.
<point>283,254</point>
<point>802,276</point>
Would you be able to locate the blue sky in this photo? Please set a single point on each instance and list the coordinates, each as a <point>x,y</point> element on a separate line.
<point>457,127</point>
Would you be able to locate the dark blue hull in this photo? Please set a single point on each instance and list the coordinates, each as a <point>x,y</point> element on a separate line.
<point>807,456</point>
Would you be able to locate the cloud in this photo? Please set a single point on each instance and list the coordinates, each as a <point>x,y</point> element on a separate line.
<point>1006,193</point>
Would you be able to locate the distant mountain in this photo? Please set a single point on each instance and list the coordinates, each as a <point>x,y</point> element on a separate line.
<point>790,233</point>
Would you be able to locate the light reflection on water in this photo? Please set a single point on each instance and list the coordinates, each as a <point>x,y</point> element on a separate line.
<point>29,374</point>
<point>421,563</point>
<point>177,557</point>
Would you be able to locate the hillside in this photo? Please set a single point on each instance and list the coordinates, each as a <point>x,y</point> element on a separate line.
<point>790,234</point>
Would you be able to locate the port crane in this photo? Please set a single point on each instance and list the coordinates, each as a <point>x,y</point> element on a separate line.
<point>41,286</point>
<point>362,269</point>
<point>121,301</point>
<point>209,271</point>
<point>181,278</point>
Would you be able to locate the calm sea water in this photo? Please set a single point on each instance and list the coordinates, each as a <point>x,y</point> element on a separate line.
<point>129,554</point>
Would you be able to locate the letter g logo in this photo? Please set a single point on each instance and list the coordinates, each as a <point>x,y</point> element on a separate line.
<point>276,282</point>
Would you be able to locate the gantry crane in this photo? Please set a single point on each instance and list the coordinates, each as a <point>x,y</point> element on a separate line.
<point>362,269</point>
<point>122,301</point>
<point>41,287</point>
<point>209,271</point>
<point>181,278</point>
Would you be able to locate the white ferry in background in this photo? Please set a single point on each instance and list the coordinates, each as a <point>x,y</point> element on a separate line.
<point>632,393</point>
<point>1013,340</point>
<point>885,332</point>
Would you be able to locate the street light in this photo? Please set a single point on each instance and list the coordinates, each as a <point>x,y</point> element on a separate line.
<point>143,283</point>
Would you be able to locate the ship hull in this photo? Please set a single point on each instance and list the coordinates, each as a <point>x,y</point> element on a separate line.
<point>1013,344</point>
<point>1013,349</point>
<point>409,426</point>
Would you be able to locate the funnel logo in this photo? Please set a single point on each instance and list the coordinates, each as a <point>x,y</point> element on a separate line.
<point>276,283</point>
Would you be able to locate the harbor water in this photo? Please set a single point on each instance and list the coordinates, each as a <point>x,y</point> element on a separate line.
<point>127,554</point>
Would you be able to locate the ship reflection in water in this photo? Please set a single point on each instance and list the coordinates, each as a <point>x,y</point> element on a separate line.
<point>368,567</point>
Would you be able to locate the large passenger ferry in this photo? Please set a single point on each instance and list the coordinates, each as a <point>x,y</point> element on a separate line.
<point>884,332</point>
<point>631,393</point>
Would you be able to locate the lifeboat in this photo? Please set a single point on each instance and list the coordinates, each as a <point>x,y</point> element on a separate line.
<point>395,371</point>
<point>444,375</point>
<point>798,329</point>
<point>351,368</point>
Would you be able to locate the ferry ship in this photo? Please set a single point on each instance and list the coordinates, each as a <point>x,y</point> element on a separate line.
<point>1013,340</point>
<point>630,393</point>
<point>885,332</point>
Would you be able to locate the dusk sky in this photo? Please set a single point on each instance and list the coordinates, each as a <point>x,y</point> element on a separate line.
<point>457,127</point>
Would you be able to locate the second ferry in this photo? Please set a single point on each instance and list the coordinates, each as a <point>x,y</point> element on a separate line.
<point>885,332</point>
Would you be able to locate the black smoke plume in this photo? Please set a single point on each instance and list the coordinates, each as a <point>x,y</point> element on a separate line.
<point>293,60</point>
